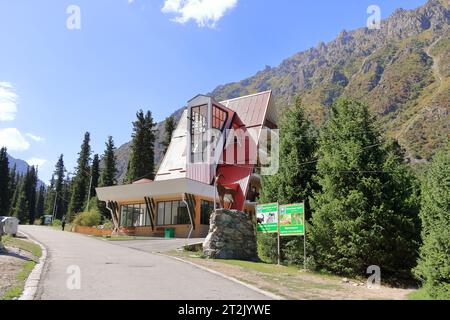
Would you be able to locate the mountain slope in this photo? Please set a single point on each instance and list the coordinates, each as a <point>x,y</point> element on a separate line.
<point>401,71</point>
<point>21,167</point>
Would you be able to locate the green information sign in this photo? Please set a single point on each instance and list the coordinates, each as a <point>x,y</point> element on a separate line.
<point>267,218</point>
<point>292,220</point>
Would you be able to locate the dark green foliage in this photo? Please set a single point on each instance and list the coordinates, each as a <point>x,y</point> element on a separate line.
<point>109,170</point>
<point>142,159</point>
<point>5,194</point>
<point>170,126</point>
<point>13,181</point>
<point>434,262</point>
<point>294,181</point>
<point>59,185</point>
<point>25,209</point>
<point>40,202</point>
<point>95,175</point>
<point>81,180</point>
<point>366,212</point>
<point>50,197</point>
<point>108,174</point>
<point>17,181</point>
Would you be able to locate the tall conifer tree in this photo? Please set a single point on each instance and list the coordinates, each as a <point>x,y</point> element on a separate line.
<point>366,213</point>
<point>434,262</point>
<point>81,179</point>
<point>5,193</point>
<point>142,159</point>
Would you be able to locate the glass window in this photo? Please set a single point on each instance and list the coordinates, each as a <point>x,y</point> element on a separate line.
<point>175,206</point>
<point>199,125</point>
<point>207,208</point>
<point>160,213</point>
<point>167,213</point>
<point>173,213</point>
<point>219,118</point>
<point>183,214</point>
<point>134,216</point>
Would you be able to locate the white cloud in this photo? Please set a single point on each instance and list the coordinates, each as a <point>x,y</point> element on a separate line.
<point>36,162</point>
<point>12,139</point>
<point>206,13</point>
<point>35,137</point>
<point>8,102</point>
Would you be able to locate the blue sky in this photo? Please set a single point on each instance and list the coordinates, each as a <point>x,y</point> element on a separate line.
<point>57,83</point>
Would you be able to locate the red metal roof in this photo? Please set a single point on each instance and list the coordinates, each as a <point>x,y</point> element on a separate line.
<point>251,109</point>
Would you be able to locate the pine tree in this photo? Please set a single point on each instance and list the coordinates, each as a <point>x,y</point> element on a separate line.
<point>26,200</point>
<point>66,195</point>
<point>81,179</point>
<point>49,202</point>
<point>362,216</point>
<point>5,193</point>
<point>59,173</point>
<point>31,185</point>
<point>18,181</point>
<point>434,263</point>
<point>109,170</point>
<point>95,174</point>
<point>294,181</point>
<point>142,159</point>
<point>108,173</point>
<point>40,202</point>
<point>170,126</point>
<point>20,211</point>
<point>12,186</point>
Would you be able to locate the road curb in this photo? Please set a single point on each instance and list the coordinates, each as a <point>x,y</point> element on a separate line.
<point>217,273</point>
<point>32,283</point>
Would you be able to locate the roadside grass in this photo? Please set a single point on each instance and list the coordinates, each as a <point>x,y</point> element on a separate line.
<point>22,245</point>
<point>27,267</point>
<point>420,294</point>
<point>291,282</point>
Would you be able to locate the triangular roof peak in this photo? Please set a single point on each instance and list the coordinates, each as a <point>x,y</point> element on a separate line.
<point>200,96</point>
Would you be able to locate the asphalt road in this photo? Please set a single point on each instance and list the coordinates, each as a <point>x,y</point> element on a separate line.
<point>110,271</point>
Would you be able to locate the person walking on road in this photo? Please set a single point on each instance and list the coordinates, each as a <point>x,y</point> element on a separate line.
<point>63,225</point>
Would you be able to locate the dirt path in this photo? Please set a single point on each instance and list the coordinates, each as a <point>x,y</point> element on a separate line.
<point>294,284</point>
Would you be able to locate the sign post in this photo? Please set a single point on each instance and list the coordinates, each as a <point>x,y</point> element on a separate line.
<point>286,221</point>
<point>279,237</point>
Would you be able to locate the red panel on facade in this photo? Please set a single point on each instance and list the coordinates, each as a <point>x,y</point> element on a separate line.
<point>251,112</point>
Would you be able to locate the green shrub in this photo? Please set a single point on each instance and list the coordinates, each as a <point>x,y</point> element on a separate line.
<point>292,252</point>
<point>267,247</point>
<point>108,224</point>
<point>56,223</point>
<point>87,219</point>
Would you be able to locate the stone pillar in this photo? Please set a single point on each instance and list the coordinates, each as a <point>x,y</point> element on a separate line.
<point>232,235</point>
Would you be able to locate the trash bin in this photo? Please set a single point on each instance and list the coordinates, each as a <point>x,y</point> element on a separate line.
<point>10,225</point>
<point>170,233</point>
